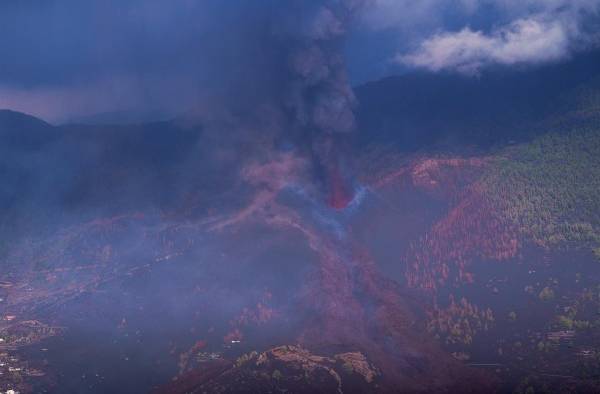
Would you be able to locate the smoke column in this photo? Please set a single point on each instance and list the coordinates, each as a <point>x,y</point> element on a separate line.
<point>318,95</point>
<point>290,72</point>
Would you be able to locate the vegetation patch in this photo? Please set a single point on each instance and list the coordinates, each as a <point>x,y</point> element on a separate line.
<point>549,188</point>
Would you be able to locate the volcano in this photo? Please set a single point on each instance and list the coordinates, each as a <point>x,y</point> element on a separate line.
<point>196,286</point>
<point>197,256</point>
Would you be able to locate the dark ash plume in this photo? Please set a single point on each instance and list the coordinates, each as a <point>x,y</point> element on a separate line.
<point>285,78</point>
<point>318,95</point>
<point>319,92</point>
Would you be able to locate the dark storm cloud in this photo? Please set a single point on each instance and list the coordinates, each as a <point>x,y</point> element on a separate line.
<point>74,57</point>
<point>69,56</point>
<point>66,58</point>
<point>63,41</point>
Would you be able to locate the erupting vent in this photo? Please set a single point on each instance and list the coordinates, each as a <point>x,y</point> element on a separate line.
<point>340,191</point>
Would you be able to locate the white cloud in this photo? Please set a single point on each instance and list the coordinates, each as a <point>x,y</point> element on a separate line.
<point>518,31</point>
<point>467,51</point>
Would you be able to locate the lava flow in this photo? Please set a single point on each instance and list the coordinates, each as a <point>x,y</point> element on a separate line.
<point>308,282</point>
<point>345,302</point>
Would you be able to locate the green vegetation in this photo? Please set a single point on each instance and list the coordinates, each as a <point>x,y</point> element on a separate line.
<point>575,317</point>
<point>549,189</point>
<point>543,346</point>
<point>582,324</point>
<point>460,322</point>
<point>565,322</point>
<point>546,294</point>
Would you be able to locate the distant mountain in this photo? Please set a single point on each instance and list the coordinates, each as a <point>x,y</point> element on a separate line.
<point>50,169</point>
<point>416,110</point>
<point>19,130</point>
<point>13,119</point>
<point>120,118</point>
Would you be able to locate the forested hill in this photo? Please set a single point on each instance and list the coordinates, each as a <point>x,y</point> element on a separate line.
<point>416,110</point>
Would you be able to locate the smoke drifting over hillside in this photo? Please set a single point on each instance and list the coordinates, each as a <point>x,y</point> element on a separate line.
<point>299,86</point>
<point>317,94</point>
<point>272,72</point>
<point>171,56</point>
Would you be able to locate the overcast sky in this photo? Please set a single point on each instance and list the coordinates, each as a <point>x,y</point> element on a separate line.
<point>66,58</point>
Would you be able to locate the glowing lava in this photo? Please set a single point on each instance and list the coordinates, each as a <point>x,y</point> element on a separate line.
<point>340,192</point>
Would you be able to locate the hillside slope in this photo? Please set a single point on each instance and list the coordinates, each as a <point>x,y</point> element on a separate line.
<point>506,249</point>
<point>138,254</point>
<point>418,110</point>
